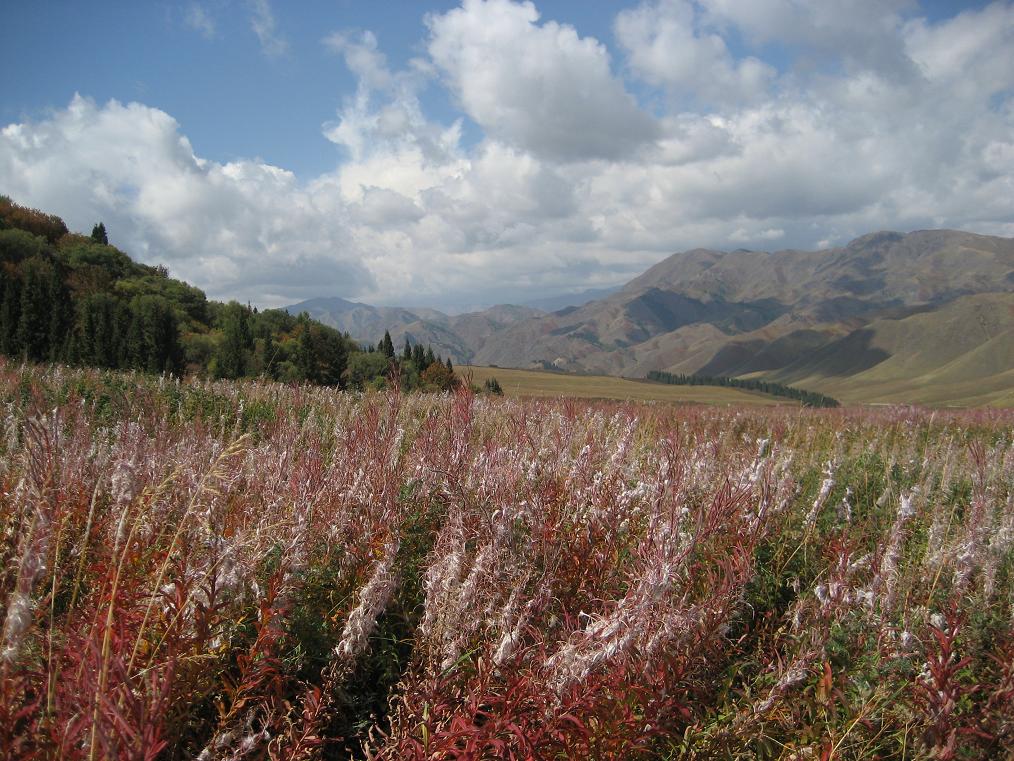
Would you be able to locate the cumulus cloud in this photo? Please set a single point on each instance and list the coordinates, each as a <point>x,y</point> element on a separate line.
<point>863,34</point>
<point>666,45</point>
<point>540,87</point>
<point>241,230</point>
<point>570,184</point>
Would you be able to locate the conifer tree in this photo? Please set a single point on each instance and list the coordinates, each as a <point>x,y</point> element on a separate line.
<point>10,315</point>
<point>34,321</point>
<point>387,346</point>
<point>60,317</point>
<point>231,360</point>
<point>99,234</point>
<point>153,338</point>
<point>304,350</point>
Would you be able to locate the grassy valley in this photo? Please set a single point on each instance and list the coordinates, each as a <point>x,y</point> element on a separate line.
<point>543,383</point>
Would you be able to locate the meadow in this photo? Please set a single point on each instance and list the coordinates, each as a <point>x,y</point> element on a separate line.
<point>547,384</point>
<point>243,570</point>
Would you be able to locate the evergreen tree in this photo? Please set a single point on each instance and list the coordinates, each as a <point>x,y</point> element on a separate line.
<point>269,356</point>
<point>304,350</point>
<point>449,365</point>
<point>387,346</point>
<point>232,358</point>
<point>322,354</point>
<point>419,357</point>
<point>331,355</point>
<point>10,315</point>
<point>406,355</point>
<point>99,234</point>
<point>153,338</point>
<point>61,318</point>
<point>124,322</point>
<point>98,333</point>
<point>34,321</point>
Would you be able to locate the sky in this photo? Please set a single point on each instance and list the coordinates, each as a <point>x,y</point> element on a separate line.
<point>458,155</point>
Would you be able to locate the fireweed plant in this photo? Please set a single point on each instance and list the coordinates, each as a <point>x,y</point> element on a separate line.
<point>192,569</point>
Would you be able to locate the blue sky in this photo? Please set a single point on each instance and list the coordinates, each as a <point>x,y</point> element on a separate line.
<point>232,98</point>
<point>460,155</point>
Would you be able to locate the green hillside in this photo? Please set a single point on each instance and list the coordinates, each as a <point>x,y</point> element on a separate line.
<point>76,299</point>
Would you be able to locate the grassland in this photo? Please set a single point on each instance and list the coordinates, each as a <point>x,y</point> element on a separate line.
<point>540,383</point>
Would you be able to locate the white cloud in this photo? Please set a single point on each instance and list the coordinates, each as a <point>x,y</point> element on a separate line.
<point>243,229</point>
<point>972,54</point>
<point>413,214</point>
<point>540,87</point>
<point>197,18</point>
<point>264,25</point>
<point>362,57</point>
<point>666,45</point>
<point>861,33</point>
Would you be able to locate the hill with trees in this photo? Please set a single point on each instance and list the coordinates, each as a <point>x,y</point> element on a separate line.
<point>79,300</point>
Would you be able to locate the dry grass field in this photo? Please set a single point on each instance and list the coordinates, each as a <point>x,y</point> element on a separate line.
<point>539,383</point>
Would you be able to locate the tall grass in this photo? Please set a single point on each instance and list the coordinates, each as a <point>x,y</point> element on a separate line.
<point>226,571</point>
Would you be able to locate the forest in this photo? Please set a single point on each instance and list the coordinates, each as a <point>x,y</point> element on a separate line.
<point>79,300</point>
<point>806,398</point>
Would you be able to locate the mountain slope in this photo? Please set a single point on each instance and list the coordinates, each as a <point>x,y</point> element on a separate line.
<point>872,311</point>
<point>457,336</point>
<point>962,352</point>
<point>922,316</point>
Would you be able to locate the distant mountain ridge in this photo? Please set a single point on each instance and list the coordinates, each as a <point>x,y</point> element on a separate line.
<point>926,316</point>
<point>454,336</point>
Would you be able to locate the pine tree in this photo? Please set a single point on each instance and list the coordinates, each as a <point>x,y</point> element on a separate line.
<point>60,318</point>
<point>153,337</point>
<point>231,360</point>
<point>34,321</point>
<point>123,323</point>
<point>10,315</point>
<point>387,346</point>
<point>99,234</point>
<point>98,332</point>
<point>304,351</point>
<point>407,353</point>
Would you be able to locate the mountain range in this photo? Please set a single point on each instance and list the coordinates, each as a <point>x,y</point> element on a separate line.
<point>924,317</point>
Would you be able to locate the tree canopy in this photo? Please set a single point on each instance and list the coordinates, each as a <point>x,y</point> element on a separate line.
<point>66,297</point>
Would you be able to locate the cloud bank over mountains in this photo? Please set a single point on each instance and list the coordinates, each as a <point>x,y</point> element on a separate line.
<point>719,123</point>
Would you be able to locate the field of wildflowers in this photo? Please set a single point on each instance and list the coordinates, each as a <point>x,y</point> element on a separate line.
<point>250,571</point>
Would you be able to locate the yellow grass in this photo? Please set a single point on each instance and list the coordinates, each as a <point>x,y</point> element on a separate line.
<point>547,384</point>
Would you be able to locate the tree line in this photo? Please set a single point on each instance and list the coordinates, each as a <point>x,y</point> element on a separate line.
<point>76,299</point>
<point>807,398</point>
